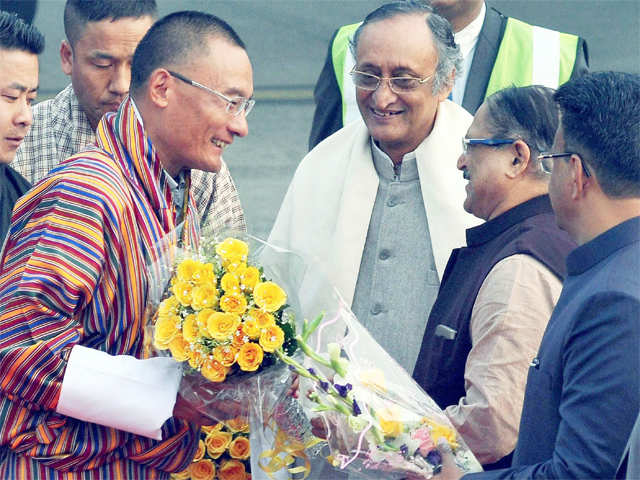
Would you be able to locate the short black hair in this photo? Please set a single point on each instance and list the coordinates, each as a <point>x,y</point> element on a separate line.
<point>600,117</point>
<point>529,113</point>
<point>78,12</point>
<point>174,39</point>
<point>449,56</point>
<point>16,34</point>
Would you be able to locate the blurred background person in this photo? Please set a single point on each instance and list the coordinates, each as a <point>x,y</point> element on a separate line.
<point>20,45</point>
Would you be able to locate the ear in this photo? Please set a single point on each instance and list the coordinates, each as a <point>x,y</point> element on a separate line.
<point>159,87</point>
<point>446,90</point>
<point>66,57</point>
<point>579,182</point>
<point>521,159</point>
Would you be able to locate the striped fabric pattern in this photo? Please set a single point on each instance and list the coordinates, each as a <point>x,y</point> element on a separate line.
<point>74,271</point>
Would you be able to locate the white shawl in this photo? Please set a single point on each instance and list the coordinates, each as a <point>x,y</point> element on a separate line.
<point>326,211</point>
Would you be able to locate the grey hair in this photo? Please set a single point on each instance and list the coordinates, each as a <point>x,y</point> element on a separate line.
<point>528,113</point>
<point>449,56</point>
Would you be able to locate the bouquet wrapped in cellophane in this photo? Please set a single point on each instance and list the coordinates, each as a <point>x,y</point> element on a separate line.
<point>223,315</point>
<point>378,422</point>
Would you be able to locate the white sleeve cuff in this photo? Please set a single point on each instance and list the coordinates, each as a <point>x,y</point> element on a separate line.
<point>121,392</point>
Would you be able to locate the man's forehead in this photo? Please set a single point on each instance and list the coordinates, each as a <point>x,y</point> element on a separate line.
<point>20,70</point>
<point>106,33</point>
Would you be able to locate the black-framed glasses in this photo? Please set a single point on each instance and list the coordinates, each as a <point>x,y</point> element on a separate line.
<point>546,161</point>
<point>235,105</point>
<point>489,142</point>
<point>369,81</point>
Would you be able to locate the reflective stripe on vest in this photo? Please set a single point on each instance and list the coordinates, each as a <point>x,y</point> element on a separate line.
<point>343,62</point>
<point>531,55</point>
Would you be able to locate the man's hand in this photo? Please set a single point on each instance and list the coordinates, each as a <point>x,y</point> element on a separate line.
<point>450,471</point>
<point>186,411</point>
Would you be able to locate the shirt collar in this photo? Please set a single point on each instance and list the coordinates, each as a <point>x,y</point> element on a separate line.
<point>595,251</point>
<point>494,227</point>
<point>408,168</point>
<point>468,36</point>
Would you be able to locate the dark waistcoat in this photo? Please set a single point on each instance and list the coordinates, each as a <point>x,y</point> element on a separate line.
<point>528,228</point>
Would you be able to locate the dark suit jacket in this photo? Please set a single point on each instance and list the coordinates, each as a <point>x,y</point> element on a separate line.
<point>12,186</point>
<point>327,118</point>
<point>582,390</point>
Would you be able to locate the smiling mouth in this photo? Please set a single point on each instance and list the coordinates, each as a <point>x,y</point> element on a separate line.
<point>219,143</point>
<point>384,114</point>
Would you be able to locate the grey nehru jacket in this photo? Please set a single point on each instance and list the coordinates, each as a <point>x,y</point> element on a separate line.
<point>397,282</point>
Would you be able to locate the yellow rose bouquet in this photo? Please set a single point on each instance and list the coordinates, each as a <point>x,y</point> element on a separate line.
<point>223,453</point>
<point>223,316</point>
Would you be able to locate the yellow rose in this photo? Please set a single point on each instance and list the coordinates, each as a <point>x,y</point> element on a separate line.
<point>204,275</point>
<point>269,296</point>
<point>202,449</point>
<point>165,330</point>
<point>225,354</point>
<point>271,338</point>
<point>178,348</point>
<point>250,357</point>
<point>249,278</point>
<point>262,318</point>
<point>190,330</point>
<point>439,431</point>
<point>230,283</point>
<point>222,325</point>
<point>169,306</point>
<point>217,442</point>
<point>195,358</point>
<point>240,337</point>
<point>232,251</point>
<point>207,429</point>
<point>251,329</point>
<point>182,291</point>
<point>202,470</point>
<point>238,424</point>
<point>232,470</point>
<point>202,319</point>
<point>204,296</point>
<point>214,371</point>
<point>388,424</point>
<point>233,303</point>
<point>240,448</point>
<point>186,268</point>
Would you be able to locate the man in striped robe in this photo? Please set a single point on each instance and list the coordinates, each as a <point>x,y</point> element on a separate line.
<point>78,400</point>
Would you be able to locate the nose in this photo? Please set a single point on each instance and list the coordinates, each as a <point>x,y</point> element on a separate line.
<point>24,115</point>
<point>462,162</point>
<point>239,125</point>
<point>120,79</point>
<point>383,95</point>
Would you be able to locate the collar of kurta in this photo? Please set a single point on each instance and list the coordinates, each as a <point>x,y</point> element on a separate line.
<point>122,135</point>
<point>494,227</point>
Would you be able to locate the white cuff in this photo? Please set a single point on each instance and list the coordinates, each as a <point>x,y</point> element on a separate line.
<point>121,391</point>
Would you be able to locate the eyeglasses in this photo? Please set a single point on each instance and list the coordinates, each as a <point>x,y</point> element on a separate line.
<point>369,81</point>
<point>546,161</point>
<point>235,105</point>
<point>489,142</point>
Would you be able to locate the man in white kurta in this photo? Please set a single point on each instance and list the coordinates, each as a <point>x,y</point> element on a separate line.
<point>379,203</point>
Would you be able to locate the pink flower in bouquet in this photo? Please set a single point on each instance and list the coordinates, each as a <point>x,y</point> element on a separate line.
<point>424,437</point>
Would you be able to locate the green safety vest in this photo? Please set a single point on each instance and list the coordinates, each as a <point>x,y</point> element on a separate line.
<point>528,55</point>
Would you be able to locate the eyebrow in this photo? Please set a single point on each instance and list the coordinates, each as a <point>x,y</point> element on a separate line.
<point>105,56</point>
<point>22,88</point>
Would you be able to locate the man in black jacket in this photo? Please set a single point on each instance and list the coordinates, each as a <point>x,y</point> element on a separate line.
<point>20,45</point>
